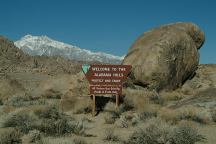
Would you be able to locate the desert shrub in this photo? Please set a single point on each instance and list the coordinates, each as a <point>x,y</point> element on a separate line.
<point>148,135</point>
<point>156,98</point>
<point>21,101</point>
<point>112,113</point>
<point>52,94</point>
<point>156,131</point>
<point>110,118</point>
<point>10,136</point>
<point>147,115</point>
<point>1,102</point>
<point>193,114</point>
<point>169,115</point>
<point>49,112</point>
<point>77,128</point>
<point>49,120</point>
<point>122,122</point>
<point>20,119</point>
<point>33,136</point>
<point>16,101</point>
<point>79,141</point>
<point>213,113</point>
<point>135,120</point>
<point>54,122</point>
<point>172,95</point>
<point>184,134</point>
<point>110,135</point>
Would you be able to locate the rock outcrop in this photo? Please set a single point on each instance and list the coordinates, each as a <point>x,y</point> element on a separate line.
<point>165,57</point>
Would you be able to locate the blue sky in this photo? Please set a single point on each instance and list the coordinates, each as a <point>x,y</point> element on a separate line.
<point>105,25</point>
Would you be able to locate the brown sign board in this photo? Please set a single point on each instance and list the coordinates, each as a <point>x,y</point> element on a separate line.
<point>100,90</point>
<point>107,74</point>
<point>105,79</point>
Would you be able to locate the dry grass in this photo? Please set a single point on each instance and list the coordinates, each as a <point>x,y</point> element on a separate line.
<point>194,114</point>
<point>168,115</point>
<point>172,96</point>
<point>156,131</point>
<point>190,113</point>
<point>213,113</point>
<point>9,136</point>
<point>33,136</point>
<point>49,120</point>
<point>110,135</point>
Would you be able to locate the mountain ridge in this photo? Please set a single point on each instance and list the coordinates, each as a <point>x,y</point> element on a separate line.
<point>43,45</point>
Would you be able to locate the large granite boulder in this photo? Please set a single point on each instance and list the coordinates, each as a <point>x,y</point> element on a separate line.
<point>165,57</point>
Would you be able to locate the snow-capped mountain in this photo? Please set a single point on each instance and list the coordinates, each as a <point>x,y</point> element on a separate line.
<point>43,45</point>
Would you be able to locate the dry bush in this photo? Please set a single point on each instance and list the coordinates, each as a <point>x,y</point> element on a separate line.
<point>187,113</point>
<point>23,101</point>
<point>21,119</point>
<point>57,140</point>
<point>110,135</point>
<point>9,87</point>
<point>10,136</point>
<point>109,118</point>
<point>168,115</point>
<point>194,114</point>
<point>33,136</point>
<point>213,113</point>
<point>184,134</point>
<point>79,141</point>
<point>172,96</point>
<point>76,104</point>
<point>112,113</point>
<point>156,131</point>
<point>122,122</point>
<point>49,120</point>
<point>135,99</point>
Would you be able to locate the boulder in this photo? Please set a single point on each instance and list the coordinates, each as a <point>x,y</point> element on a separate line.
<point>165,57</point>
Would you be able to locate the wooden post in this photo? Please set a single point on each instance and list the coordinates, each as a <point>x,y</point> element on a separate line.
<point>93,106</point>
<point>117,100</point>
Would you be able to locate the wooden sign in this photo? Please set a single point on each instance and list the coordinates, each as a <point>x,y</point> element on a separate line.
<point>106,74</point>
<point>105,79</point>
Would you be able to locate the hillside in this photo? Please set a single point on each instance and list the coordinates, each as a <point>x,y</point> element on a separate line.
<point>15,60</point>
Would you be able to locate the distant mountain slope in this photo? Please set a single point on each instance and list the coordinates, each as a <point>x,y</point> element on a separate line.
<point>14,60</point>
<point>43,45</point>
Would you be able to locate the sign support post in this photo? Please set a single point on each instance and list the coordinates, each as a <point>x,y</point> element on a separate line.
<point>93,105</point>
<point>117,100</point>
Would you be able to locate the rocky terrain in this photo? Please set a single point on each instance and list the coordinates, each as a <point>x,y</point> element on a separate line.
<point>44,100</point>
